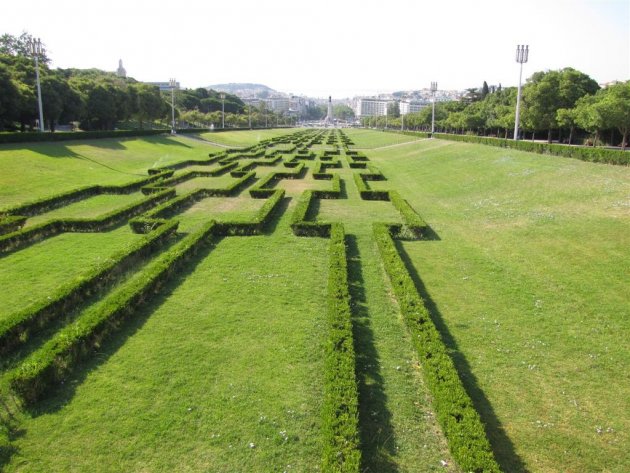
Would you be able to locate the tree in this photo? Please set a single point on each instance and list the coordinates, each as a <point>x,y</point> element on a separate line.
<point>393,109</point>
<point>565,117</point>
<point>21,46</point>
<point>9,98</point>
<point>614,108</point>
<point>484,90</point>
<point>149,103</point>
<point>343,112</point>
<point>588,117</point>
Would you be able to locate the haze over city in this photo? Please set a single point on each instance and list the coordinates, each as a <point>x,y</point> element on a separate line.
<point>331,48</point>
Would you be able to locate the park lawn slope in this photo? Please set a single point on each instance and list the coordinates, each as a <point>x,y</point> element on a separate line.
<point>369,139</point>
<point>223,372</point>
<point>34,171</point>
<point>528,280</point>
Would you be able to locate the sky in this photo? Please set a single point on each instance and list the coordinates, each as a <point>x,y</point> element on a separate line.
<point>341,48</point>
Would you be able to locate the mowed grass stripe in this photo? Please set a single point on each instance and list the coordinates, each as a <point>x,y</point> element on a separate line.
<point>225,374</point>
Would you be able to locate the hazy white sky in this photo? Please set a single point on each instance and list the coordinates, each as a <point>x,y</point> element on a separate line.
<point>340,48</point>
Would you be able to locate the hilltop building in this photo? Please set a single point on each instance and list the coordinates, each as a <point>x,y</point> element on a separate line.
<point>121,72</point>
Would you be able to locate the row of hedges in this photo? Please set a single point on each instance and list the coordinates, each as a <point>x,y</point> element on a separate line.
<point>65,198</point>
<point>186,200</point>
<point>300,224</point>
<point>455,411</point>
<point>340,411</point>
<point>18,327</point>
<point>28,236</point>
<point>264,188</point>
<point>51,363</point>
<point>186,176</point>
<point>590,154</point>
<point>256,226</point>
<point>321,167</point>
<point>367,193</point>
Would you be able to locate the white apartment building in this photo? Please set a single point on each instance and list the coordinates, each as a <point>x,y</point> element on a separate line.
<point>368,107</point>
<point>410,107</point>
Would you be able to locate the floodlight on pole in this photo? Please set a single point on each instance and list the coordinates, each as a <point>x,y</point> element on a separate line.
<point>434,88</point>
<point>172,83</point>
<point>222,110</point>
<point>36,49</point>
<point>522,54</point>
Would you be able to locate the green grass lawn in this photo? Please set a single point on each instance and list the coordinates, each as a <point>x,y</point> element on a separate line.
<point>530,282</point>
<point>525,274</point>
<point>88,208</point>
<point>368,139</point>
<point>31,274</point>
<point>33,171</point>
<point>208,378</point>
<point>245,138</point>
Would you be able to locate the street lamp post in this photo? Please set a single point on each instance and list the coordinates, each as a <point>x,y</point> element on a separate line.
<point>36,49</point>
<point>433,91</point>
<point>386,115</point>
<point>522,54</point>
<point>172,83</point>
<point>222,110</point>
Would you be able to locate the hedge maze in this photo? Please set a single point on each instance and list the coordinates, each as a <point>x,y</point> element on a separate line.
<point>180,209</point>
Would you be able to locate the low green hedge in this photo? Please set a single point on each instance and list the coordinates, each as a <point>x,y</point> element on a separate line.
<point>17,328</point>
<point>65,198</point>
<point>413,221</point>
<point>590,154</point>
<point>51,363</point>
<point>455,411</point>
<point>11,223</point>
<point>340,412</point>
<point>365,192</point>
<point>260,220</point>
<point>299,219</point>
<point>20,239</point>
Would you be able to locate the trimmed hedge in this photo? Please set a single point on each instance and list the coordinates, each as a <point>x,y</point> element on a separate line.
<point>590,154</point>
<point>264,188</point>
<point>413,221</point>
<point>22,238</point>
<point>11,224</point>
<point>340,412</point>
<point>59,200</point>
<point>257,225</point>
<point>18,327</point>
<point>299,223</point>
<point>365,192</point>
<point>50,364</point>
<point>455,411</point>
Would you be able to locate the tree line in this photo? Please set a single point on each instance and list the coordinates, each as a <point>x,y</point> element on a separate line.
<point>93,99</point>
<point>559,105</point>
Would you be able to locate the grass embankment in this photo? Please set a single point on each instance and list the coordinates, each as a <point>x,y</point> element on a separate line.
<point>244,138</point>
<point>528,281</point>
<point>30,172</point>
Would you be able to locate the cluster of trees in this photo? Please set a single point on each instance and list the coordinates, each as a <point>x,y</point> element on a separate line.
<point>98,100</point>
<point>554,103</point>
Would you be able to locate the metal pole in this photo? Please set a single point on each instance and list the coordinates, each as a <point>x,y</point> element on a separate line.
<point>402,118</point>
<point>223,110</point>
<point>433,90</point>
<point>386,112</point>
<point>522,54</point>
<point>172,84</point>
<point>36,47</point>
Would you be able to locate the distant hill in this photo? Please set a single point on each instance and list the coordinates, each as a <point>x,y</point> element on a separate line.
<point>245,89</point>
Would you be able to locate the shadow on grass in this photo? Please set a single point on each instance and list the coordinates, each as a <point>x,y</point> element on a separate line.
<point>502,446</point>
<point>53,150</point>
<point>378,441</point>
<point>277,214</point>
<point>62,394</point>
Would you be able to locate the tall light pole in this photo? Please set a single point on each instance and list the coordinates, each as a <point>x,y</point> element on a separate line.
<point>522,53</point>
<point>402,117</point>
<point>172,83</point>
<point>222,110</point>
<point>433,91</point>
<point>386,115</point>
<point>36,49</point>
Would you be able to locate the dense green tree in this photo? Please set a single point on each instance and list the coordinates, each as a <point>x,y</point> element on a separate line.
<point>343,112</point>
<point>393,109</point>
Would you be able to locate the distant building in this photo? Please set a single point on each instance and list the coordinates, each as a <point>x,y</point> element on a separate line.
<point>278,104</point>
<point>121,72</point>
<point>410,107</point>
<point>369,107</point>
<point>164,85</point>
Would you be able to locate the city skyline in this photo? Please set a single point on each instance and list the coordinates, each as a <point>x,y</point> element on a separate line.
<point>342,49</point>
